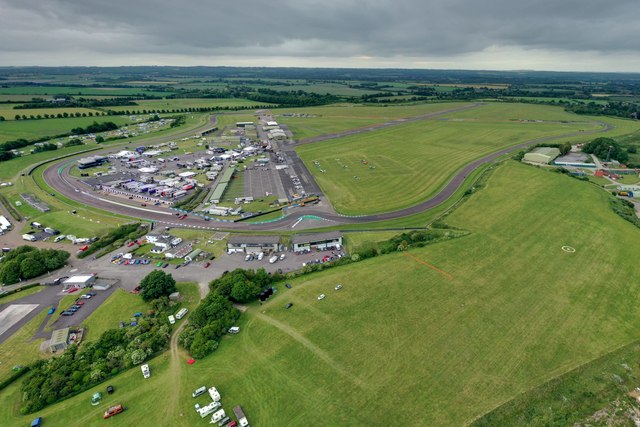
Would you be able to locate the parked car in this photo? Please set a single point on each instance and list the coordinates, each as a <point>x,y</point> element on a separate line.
<point>93,294</point>
<point>199,391</point>
<point>282,256</point>
<point>288,306</point>
<point>166,265</point>
<point>51,310</point>
<point>207,264</point>
<point>67,313</point>
<point>338,287</point>
<point>288,285</point>
<point>321,297</point>
<point>110,389</point>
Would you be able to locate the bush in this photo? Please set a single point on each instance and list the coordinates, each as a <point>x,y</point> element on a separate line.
<point>113,238</point>
<point>243,285</point>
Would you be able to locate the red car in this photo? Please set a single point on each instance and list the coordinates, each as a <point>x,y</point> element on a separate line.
<point>72,290</point>
<point>84,248</point>
<point>114,410</point>
<point>207,264</point>
<point>182,216</point>
<point>79,303</point>
<point>131,244</point>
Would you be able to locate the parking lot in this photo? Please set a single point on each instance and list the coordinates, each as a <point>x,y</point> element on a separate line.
<point>89,306</point>
<point>260,180</point>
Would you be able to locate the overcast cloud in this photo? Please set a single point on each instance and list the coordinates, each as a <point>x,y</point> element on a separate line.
<point>584,35</point>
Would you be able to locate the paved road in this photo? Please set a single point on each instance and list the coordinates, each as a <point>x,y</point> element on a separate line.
<point>65,185</point>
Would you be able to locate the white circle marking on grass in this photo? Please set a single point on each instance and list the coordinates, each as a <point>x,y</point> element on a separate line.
<point>569,249</point>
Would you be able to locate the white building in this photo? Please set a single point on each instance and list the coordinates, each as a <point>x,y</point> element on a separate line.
<point>81,281</point>
<point>162,243</point>
<point>321,241</point>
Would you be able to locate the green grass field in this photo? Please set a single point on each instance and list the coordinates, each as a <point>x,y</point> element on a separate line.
<point>21,348</point>
<point>32,129</point>
<point>341,117</point>
<point>370,172</point>
<point>506,311</point>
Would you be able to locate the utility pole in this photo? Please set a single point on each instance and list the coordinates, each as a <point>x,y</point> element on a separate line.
<point>609,153</point>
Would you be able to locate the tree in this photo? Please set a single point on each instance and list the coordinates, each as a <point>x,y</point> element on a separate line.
<point>605,148</point>
<point>10,272</point>
<point>30,268</point>
<point>99,139</point>
<point>201,346</point>
<point>157,284</point>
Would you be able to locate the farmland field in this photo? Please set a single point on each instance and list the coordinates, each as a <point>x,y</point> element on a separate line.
<point>421,346</point>
<point>75,91</point>
<point>370,172</point>
<point>159,104</point>
<point>32,129</point>
<point>8,112</point>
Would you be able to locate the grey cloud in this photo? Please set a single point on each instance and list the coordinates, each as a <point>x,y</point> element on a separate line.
<point>301,29</point>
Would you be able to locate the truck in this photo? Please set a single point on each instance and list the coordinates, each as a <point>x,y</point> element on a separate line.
<point>114,410</point>
<point>273,259</point>
<point>217,416</point>
<point>209,409</point>
<point>29,237</point>
<point>180,314</point>
<point>242,419</point>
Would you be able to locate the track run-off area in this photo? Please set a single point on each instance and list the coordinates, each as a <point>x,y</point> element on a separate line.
<point>57,176</point>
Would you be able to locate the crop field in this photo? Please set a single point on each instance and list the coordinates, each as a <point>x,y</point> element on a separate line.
<point>32,129</point>
<point>166,104</point>
<point>370,172</point>
<point>8,112</point>
<point>421,346</point>
<point>341,117</point>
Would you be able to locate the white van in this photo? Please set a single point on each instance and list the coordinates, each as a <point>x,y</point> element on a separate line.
<point>172,319</point>
<point>273,259</point>
<point>181,313</point>
<point>234,329</point>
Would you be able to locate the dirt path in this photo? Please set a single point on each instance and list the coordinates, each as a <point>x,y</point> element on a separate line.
<point>204,289</point>
<point>175,370</point>
<point>313,348</point>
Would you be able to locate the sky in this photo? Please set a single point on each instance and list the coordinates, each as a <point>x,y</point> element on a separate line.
<point>562,35</point>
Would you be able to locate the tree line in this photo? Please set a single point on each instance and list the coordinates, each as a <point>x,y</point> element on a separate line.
<point>27,262</point>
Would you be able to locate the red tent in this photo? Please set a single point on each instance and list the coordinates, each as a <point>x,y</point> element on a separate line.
<point>191,361</point>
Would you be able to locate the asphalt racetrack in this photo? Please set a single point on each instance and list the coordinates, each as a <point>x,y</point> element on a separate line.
<point>56,175</point>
